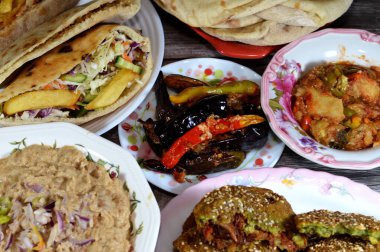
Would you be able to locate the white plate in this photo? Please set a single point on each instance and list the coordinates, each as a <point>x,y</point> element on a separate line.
<point>148,21</point>
<point>205,69</point>
<point>147,213</point>
<point>305,190</point>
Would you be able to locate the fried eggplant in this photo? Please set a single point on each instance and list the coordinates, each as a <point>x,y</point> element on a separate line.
<point>191,117</point>
<point>200,163</point>
<point>245,139</point>
<point>164,108</point>
<point>210,162</point>
<point>179,82</point>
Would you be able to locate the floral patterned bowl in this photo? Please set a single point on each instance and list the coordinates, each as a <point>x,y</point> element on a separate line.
<point>132,135</point>
<point>329,45</point>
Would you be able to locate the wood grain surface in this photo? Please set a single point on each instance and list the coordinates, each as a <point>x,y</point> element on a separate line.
<point>181,43</point>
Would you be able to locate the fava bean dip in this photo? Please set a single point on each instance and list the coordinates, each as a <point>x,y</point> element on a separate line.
<point>54,199</point>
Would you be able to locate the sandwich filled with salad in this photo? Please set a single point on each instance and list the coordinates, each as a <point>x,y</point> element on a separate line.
<point>85,77</point>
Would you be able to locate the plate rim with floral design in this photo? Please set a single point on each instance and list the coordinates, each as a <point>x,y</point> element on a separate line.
<point>205,69</point>
<point>282,73</point>
<point>298,186</point>
<point>144,208</point>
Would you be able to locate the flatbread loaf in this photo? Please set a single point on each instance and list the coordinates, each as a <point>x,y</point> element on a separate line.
<point>27,15</point>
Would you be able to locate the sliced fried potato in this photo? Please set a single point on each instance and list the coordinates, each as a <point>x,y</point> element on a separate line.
<point>40,99</point>
<point>5,6</point>
<point>112,91</point>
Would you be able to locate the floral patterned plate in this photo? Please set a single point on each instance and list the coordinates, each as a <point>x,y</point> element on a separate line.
<point>132,136</point>
<point>118,162</point>
<point>305,190</point>
<point>329,45</point>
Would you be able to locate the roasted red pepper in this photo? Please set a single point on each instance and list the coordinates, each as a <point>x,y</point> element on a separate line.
<point>203,132</point>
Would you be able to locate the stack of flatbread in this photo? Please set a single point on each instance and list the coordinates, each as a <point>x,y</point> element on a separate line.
<point>256,22</point>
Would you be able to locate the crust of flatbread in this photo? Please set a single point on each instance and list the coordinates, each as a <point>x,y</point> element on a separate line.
<point>55,32</point>
<point>31,18</point>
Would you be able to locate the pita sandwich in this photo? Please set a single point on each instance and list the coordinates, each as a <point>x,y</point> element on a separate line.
<point>65,26</point>
<point>82,78</point>
<point>20,16</point>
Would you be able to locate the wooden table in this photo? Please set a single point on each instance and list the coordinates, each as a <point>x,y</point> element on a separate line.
<point>182,43</point>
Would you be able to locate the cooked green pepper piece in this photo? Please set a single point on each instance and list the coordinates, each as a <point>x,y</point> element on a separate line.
<point>336,80</point>
<point>348,112</point>
<point>4,219</point>
<point>5,205</point>
<point>194,93</point>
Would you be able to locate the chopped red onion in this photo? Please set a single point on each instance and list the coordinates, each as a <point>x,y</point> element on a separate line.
<point>134,44</point>
<point>33,113</point>
<point>50,206</point>
<point>61,226</point>
<point>88,57</point>
<point>72,87</point>
<point>82,221</point>
<point>83,218</point>
<point>9,242</point>
<point>45,112</point>
<point>34,187</point>
<point>1,236</point>
<point>27,243</point>
<point>83,243</point>
<point>72,72</point>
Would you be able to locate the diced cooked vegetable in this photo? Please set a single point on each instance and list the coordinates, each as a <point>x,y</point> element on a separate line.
<point>324,105</point>
<point>341,100</point>
<point>41,99</point>
<point>194,93</point>
<point>112,91</point>
<point>5,6</point>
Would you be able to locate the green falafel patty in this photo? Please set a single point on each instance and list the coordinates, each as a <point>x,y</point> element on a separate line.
<point>235,216</point>
<point>324,224</point>
<point>342,244</point>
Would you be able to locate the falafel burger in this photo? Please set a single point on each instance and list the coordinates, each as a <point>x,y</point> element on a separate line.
<point>90,74</point>
<point>240,218</point>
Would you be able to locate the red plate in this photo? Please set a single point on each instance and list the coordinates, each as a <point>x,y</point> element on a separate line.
<point>236,49</point>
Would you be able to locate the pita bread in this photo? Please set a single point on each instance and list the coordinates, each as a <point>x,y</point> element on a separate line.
<point>30,17</point>
<point>199,13</point>
<point>257,22</point>
<point>62,59</point>
<point>284,23</point>
<point>289,16</point>
<point>51,34</point>
<point>263,33</point>
<point>239,22</point>
<point>324,11</point>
